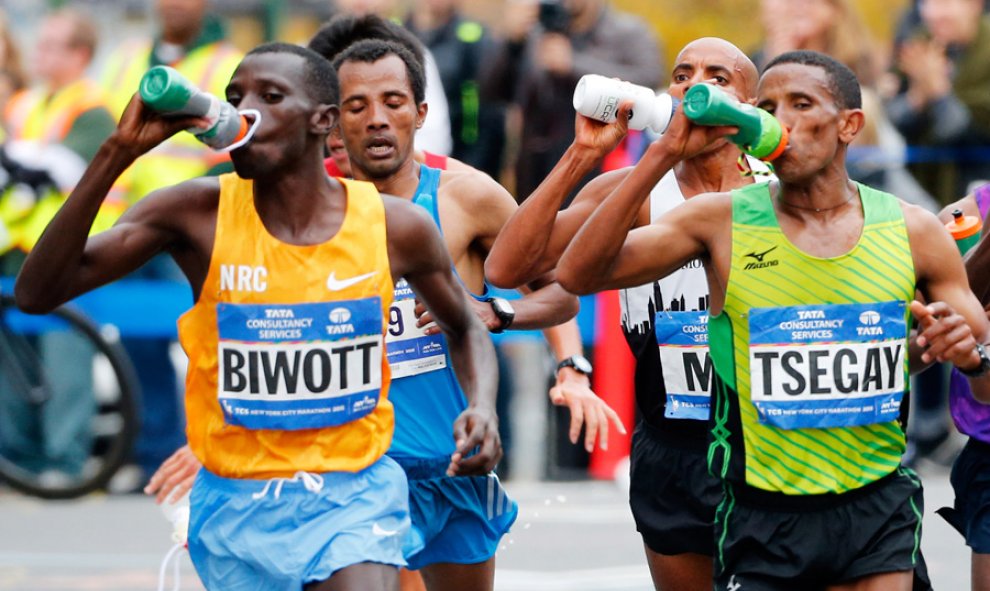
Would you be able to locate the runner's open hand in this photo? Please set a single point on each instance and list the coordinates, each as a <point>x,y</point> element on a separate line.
<point>573,390</point>
<point>175,476</point>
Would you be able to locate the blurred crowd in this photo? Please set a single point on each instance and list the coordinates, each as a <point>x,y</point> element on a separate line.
<point>499,98</point>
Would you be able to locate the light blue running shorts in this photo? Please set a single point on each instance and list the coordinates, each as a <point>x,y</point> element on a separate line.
<point>284,533</point>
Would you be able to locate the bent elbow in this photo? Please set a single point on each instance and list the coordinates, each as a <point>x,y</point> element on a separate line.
<point>503,276</point>
<point>570,307</point>
<point>575,283</point>
<point>30,302</point>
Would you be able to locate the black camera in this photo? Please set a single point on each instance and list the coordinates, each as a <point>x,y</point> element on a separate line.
<point>554,16</point>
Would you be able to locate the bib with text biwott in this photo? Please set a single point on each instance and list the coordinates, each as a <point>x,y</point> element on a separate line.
<point>299,366</point>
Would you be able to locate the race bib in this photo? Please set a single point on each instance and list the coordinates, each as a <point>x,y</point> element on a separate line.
<point>826,366</point>
<point>410,350</point>
<point>687,369</point>
<point>299,366</point>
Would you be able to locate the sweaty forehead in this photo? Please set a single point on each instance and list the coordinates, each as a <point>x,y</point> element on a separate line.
<point>387,74</point>
<point>285,67</point>
<point>795,78</point>
<point>713,52</point>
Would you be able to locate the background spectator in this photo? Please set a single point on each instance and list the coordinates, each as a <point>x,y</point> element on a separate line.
<point>12,76</point>
<point>462,50</point>
<point>193,41</point>
<point>54,129</point>
<point>549,46</point>
<point>944,99</point>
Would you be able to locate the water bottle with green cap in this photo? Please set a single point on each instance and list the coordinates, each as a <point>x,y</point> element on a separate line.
<point>167,91</point>
<point>760,134</point>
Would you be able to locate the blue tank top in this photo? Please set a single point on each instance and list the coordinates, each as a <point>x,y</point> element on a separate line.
<point>424,392</point>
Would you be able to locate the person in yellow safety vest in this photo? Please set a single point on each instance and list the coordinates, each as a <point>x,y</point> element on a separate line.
<point>53,130</point>
<point>191,41</point>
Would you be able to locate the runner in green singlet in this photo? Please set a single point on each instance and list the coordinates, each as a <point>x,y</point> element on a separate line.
<point>812,283</point>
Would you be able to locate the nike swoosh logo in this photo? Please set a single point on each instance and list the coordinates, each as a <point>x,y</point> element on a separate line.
<point>334,284</point>
<point>379,531</point>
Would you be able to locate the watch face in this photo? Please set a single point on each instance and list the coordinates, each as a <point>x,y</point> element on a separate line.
<point>581,364</point>
<point>503,306</point>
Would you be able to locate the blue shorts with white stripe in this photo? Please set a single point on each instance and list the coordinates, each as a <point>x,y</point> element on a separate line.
<point>458,519</point>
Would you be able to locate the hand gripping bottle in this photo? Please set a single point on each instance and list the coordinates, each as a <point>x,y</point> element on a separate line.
<point>965,229</point>
<point>598,97</point>
<point>760,134</point>
<point>167,91</point>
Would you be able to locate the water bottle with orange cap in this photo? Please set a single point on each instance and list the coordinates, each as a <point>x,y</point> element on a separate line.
<point>167,91</point>
<point>965,229</point>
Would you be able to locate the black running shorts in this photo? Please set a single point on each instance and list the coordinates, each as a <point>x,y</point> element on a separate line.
<point>672,495</point>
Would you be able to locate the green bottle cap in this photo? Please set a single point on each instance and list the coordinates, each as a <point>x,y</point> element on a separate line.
<point>708,105</point>
<point>165,90</point>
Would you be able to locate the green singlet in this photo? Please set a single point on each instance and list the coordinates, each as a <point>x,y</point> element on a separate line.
<point>811,353</point>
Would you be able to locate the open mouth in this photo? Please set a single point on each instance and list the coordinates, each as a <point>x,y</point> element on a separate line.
<point>380,147</point>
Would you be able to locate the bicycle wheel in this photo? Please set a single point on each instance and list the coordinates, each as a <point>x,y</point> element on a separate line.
<point>68,408</point>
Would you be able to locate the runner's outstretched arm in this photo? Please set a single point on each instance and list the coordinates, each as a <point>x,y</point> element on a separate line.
<point>418,253</point>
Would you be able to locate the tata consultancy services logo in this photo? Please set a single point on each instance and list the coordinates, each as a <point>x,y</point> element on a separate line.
<point>871,324</point>
<point>339,315</point>
<point>339,322</point>
<point>869,318</point>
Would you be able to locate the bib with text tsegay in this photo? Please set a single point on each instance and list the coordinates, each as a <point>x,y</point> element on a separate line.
<point>820,366</point>
<point>687,369</point>
<point>299,366</point>
<point>410,350</point>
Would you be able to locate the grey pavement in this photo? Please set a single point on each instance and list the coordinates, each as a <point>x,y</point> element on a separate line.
<point>573,536</point>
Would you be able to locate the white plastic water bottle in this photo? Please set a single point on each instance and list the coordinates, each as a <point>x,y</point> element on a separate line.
<point>177,512</point>
<point>598,97</point>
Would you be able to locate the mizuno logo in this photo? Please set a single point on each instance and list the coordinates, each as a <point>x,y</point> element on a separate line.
<point>759,255</point>
<point>758,258</point>
<point>334,284</point>
<point>385,533</point>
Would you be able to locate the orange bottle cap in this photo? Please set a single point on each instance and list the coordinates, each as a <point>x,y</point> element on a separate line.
<point>963,226</point>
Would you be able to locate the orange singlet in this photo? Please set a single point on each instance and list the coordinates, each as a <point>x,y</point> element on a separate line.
<point>287,370</point>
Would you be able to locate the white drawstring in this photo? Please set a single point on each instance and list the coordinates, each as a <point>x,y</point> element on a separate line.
<point>312,482</point>
<point>173,553</point>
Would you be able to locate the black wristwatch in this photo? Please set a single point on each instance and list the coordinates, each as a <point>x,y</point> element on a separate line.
<point>983,368</point>
<point>503,311</point>
<point>579,363</point>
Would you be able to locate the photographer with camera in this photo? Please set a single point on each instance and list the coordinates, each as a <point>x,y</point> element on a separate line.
<point>549,45</point>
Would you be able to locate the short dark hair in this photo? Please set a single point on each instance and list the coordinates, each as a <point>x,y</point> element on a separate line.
<point>842,81</point>
<point>371,50</point>
<point>319,75</point>
<point>345,30</point>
